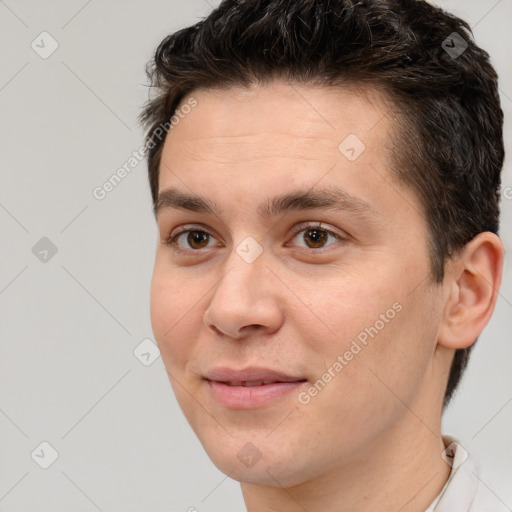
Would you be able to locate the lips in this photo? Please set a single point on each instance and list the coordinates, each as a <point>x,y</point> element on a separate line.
<point>249,376</point>
<point>250,388</point>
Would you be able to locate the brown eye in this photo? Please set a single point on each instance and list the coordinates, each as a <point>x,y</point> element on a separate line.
<point>315,238</point>
<point>197,239</point>
<point>191,240</point>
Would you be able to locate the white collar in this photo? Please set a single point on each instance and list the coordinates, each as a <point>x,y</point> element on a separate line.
<point>459,491</point>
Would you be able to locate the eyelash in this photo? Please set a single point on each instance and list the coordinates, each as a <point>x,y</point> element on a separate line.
<point>172,239</point>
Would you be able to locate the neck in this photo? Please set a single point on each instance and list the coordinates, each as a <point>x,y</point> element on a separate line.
<point>401,470</point>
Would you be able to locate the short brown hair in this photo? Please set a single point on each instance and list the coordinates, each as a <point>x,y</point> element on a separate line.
<point>449,145</point>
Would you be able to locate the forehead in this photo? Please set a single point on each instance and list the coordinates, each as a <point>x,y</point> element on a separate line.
<point>279,120</point>
<point>243,143</point>
<point>265,119</point>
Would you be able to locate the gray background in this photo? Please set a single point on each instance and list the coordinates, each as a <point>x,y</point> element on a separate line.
<point>70,324</point>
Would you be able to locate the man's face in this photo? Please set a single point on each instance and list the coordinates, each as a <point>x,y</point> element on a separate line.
<point>333,303</point>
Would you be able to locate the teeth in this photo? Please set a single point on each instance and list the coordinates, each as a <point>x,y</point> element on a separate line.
<point>250,383</point>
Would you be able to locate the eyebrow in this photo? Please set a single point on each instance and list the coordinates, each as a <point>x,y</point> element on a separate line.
<point>329,198</point>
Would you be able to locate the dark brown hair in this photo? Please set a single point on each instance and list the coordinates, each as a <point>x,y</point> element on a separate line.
<point>448,145</point>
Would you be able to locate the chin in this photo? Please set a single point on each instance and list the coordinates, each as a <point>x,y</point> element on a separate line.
<point>258,463</point>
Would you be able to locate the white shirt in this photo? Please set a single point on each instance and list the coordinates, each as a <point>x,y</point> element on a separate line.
<point>464,490</point>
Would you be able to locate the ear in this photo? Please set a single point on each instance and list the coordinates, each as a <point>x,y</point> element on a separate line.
<point>471,286</point>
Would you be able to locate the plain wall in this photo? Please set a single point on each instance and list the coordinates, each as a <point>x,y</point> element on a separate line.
<point>69,324</point>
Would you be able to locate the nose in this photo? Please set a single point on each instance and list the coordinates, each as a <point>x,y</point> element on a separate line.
<point>245,301</point>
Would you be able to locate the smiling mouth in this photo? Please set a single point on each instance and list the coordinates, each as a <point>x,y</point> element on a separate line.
<point>252,387</point>
<point>253,394</point>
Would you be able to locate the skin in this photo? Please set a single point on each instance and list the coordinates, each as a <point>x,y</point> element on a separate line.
<point>371,438</point>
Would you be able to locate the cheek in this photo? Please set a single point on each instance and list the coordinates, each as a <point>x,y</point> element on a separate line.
<point>373,323</point>
<point>172,314</point>
<point>344,308</point>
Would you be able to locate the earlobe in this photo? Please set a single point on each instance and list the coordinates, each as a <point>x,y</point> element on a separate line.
<point>472,284</point>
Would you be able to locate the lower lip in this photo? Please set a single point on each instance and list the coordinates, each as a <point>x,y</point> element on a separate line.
<point>250,397</point>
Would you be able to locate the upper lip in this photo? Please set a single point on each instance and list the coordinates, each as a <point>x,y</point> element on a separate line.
<point>251,374</point>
